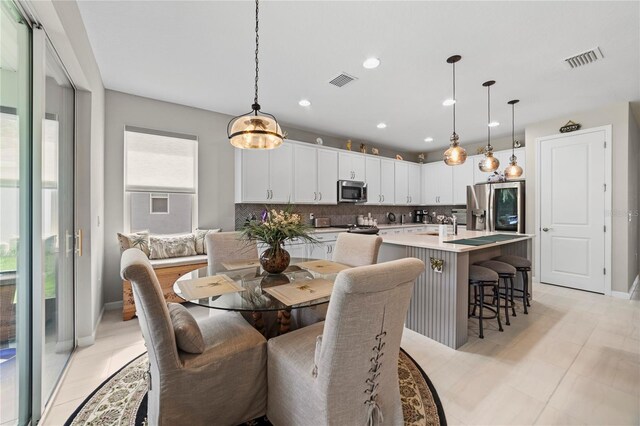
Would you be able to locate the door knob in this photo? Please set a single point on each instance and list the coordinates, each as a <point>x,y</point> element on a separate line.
<point>545,229</point>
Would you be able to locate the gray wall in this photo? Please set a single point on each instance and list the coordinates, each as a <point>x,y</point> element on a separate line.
<point>634,198</point>
<point>216,208</point>
<point>618,116</point>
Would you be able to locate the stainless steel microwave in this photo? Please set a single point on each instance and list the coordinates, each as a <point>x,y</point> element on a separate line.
<point>350,191</point>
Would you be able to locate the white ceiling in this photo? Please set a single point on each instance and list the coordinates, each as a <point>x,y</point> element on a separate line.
<point>200,53</point>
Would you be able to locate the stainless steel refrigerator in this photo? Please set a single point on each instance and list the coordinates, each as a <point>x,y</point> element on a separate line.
<point>496,207</point>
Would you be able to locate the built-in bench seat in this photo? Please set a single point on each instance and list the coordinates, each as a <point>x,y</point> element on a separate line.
<point>168,271</point>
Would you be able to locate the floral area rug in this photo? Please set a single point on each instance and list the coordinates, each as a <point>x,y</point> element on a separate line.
<point>122,398</point>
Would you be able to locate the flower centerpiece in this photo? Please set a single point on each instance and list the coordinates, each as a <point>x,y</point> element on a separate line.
<point>274,228</point>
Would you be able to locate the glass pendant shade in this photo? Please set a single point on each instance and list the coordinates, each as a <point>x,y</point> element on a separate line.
<point>255,132</point>
<point>455,155</point>
<point>489,163</point>
<point>513,170</point>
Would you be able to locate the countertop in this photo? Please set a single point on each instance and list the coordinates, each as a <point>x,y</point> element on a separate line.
<point>433,241</point>
<point>380,226</point>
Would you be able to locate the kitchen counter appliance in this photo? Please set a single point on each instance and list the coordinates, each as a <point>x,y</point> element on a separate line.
<point>496,207</point>
<point>350,191</point>
<point>420,216</point>
<point>322,222</point>
<point>355,229</point>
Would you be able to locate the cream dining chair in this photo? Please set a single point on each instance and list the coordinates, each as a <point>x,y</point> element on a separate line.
<point>228,247</point>
<point>221,380</point>
<point>344,371</point>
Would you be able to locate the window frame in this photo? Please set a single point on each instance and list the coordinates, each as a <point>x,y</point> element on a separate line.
<point>168,191</point>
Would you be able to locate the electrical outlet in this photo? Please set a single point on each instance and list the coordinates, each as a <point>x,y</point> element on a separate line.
<point>311,216</point>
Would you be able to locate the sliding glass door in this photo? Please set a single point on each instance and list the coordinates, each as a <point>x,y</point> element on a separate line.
<point>15,216</point>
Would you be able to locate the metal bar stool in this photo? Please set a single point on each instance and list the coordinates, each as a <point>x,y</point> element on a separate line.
<point>522,265</point>
<point>479,278</point>
<point>506,273</point>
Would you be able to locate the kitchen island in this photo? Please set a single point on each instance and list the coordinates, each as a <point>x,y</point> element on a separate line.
<point>439,305</point>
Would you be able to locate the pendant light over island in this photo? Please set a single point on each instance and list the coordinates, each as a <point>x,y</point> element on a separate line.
<point>489,163</point>
<point>513,170</point>
<point>456,154</point>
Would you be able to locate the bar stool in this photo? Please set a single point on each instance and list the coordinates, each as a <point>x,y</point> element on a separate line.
<point>479,278</point>
<point>522,265</point>
<point>506,273</point>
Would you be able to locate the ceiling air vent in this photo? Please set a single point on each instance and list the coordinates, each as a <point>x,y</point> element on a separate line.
<point>342,80</point>
<point>584,58</point>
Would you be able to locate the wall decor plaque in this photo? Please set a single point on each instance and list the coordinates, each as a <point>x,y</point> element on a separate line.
<point>569,127</point>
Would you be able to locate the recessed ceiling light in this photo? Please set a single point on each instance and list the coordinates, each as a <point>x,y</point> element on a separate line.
<point>429,139</point>
<point>371,63</point>
<point>449,102</point>
<point>381,125</point>
<point>494,124</point>
<point>304,102</point>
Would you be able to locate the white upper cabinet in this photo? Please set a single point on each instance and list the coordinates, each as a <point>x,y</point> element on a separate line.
<point>387,184</point>
<point>372,178</point>
<point>401,195</point>
<point>305,166</point>
<point>253,186</point>
<point>327,176</point>
<point>462,177</point>
<point>437,184</point>
<point>315,175</point>
<point>280,173</point>
<point>351,166</point>
<point>415,184</point>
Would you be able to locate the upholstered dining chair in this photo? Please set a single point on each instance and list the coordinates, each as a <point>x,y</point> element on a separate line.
<point>228,247</point>
<point>350,250</point>
<point>344,371</point>
<point>207,372</point>
<point>357,249</point>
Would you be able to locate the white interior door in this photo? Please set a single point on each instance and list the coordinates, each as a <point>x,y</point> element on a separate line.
<point>572,210</point>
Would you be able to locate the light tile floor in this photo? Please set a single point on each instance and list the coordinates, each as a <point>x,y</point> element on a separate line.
<point>575,359</point>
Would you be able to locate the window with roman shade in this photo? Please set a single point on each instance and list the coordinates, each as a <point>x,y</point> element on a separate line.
<point>160,178</point>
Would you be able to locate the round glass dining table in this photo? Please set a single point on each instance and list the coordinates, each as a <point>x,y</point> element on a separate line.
<point>253,280</point>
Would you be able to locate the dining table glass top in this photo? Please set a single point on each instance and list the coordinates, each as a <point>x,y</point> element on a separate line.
<point>254,280</point>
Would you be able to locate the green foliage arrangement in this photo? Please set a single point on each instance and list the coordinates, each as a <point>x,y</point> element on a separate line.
<point>277,226</point>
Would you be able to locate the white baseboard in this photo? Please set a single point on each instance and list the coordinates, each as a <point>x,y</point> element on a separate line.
<point>625,295</point>
<point>620,295</point>
<point>90,340</point>
<point>112,306</point>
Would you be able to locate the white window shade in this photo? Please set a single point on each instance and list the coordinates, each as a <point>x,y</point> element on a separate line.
<point>160,161</point>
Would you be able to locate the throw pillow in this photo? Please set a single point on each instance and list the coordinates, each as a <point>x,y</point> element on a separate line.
<point>200,235</point>
<point>165,247</point>
<point>188,335</point>
<point>139,240</point>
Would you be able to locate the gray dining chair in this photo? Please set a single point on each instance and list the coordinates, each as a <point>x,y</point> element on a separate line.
<point>344,371</point>
<point>221,380</point>
<point>350,250</point>
<point>229,247</point>
<point>357,249</point>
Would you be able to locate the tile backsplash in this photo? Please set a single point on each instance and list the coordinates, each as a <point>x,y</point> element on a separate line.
<point>341,214</point>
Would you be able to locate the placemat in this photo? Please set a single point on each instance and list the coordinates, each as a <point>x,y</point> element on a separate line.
<point>230,266</point>
<point>301,291</point>
<point>470,242</point>
<point>200,288</point>
<point>323,266</point>
<point>499,237</point>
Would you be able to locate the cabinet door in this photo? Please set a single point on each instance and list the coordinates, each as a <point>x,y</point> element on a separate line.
<point>445,183</point>
<point>318,251</point>
<point>345,170</point>
<point>305,174</point>
<point>255,176</point>
<point>372,178</point>
<point>462,177</point>
<point>280,173</point>
<point>327,176</point>
<point>430,184</point>
<point>401,183</point>
<point>296,250</point>
<point>358,166</point>
<point>387,181</point>
<point>415,184</point>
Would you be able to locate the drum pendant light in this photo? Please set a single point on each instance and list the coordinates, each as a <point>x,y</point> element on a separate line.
<point>513,170</point>
<point>456,154</point>
<point>489,163</point>
<point>255,129</point>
